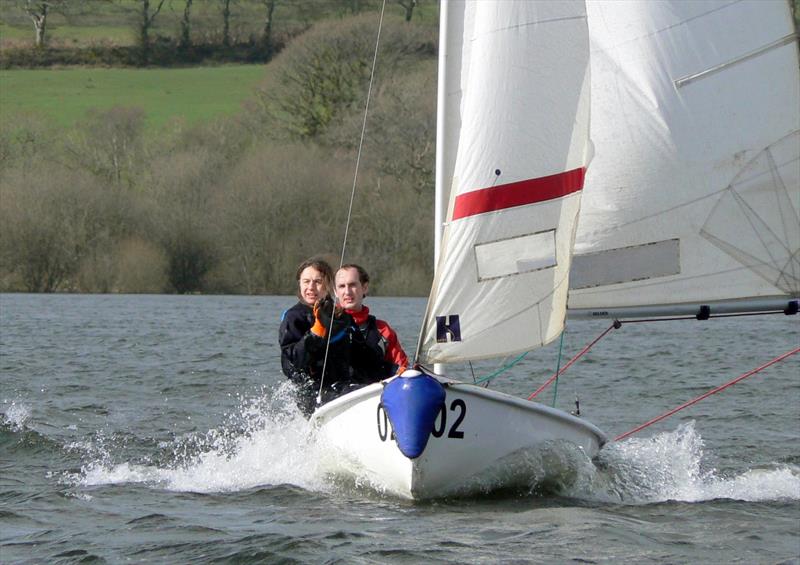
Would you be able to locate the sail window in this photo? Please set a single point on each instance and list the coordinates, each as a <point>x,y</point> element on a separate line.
<point>626,264</point>
<point>516,255</point>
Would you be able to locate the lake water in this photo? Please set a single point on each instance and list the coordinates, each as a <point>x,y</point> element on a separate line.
<point>158,429</point>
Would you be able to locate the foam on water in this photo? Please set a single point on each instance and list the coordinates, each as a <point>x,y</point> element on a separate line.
<point>267,442</point>
<point>671,466</point>
<point>16,415</point>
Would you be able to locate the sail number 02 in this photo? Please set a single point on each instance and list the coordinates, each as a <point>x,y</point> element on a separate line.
<point>458,407</point>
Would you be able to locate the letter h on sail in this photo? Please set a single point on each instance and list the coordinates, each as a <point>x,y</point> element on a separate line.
<point>448,326</point>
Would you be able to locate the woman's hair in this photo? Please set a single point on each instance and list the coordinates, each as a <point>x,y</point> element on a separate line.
<point>320,265</point>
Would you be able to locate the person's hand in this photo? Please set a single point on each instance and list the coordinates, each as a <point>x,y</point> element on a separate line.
<point>329,316</point>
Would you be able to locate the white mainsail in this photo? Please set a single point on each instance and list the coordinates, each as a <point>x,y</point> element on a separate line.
<point>694,189</point>
<point>513,175</point>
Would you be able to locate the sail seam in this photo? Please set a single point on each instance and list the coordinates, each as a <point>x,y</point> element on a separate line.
<point>659,31</point>
<point>534,23</point>
<point>780,192</point>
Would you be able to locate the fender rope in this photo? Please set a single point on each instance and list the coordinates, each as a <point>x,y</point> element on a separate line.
<point>707,394</point>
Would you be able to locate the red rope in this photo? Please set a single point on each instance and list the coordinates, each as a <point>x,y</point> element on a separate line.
<point>616,324</point>
<point>707,394</point>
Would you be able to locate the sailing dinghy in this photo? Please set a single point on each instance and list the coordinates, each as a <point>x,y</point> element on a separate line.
<point>696,138</point>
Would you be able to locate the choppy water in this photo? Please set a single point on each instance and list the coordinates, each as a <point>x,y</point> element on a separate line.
<point>157,429</point>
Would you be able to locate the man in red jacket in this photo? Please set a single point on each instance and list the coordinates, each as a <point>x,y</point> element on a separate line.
<point>376,352</point>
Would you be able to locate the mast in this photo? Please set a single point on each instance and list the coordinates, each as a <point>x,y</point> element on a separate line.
<point>441,194</point>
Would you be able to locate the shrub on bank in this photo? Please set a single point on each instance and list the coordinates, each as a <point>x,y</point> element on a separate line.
<point>163,52</point>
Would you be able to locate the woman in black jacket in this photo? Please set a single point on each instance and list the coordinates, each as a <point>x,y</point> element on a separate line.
<point>303,337</point>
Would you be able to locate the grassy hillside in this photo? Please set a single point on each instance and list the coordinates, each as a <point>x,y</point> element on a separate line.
<point>64,96</point>
<point>94,197</point>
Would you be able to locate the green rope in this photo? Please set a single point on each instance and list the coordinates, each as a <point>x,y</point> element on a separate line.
<point>501,370</point>
<point>558,367</point>
<point>505,368</point>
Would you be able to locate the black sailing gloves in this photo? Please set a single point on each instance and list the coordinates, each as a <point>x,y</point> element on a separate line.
<point>330,317</point>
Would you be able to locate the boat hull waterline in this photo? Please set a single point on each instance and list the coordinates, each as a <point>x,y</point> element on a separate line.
<point>480,440</point>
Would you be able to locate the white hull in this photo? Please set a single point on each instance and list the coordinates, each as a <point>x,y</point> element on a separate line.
<point>485,437</point>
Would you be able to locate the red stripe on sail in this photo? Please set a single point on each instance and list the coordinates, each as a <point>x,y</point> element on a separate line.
<point>518,193</point>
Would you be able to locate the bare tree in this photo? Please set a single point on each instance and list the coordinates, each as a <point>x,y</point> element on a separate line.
<point>185,25</point>
<point>38,11</point>
<point>50,219</point>
<point>108,144</point>
<point>145,24</point>
<point>267,38</point>
<point>226,22</point>
<point>183,191</point>
<point>408,6</point>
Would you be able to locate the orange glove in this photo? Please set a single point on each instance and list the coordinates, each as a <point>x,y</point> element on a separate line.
<point>327,316</point>
<point>319,328</point>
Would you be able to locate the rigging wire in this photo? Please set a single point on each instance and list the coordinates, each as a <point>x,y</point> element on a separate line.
<point>558,367</point>
<point>353,190</point>
<point>707,394</point>
<point>363,132</point>
<point>501,370</point>
<point>616,325</point>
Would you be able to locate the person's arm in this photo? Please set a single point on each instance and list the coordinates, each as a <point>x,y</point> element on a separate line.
<point>394,351</point>
<point>298,345</point>
<point>301,342</point>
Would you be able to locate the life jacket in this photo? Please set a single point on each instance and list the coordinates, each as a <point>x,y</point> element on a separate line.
<point>368,352</point>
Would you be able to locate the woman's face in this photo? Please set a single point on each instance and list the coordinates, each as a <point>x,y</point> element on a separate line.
<point>312,285</point>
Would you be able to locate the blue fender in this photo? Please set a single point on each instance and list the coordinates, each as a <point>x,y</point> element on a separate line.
<point>412,402</point>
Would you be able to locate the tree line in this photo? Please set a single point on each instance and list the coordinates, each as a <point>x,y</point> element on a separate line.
<point>174,32</point>
<point>233,205</point>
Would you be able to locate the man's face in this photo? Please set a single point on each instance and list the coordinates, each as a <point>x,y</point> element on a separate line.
<point>349,289</point>
<point>312,285</point>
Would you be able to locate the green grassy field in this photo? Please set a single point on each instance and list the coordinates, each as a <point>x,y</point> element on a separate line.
<point>195,94</point>
<point>65,95</point>
<point>97,21</point>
